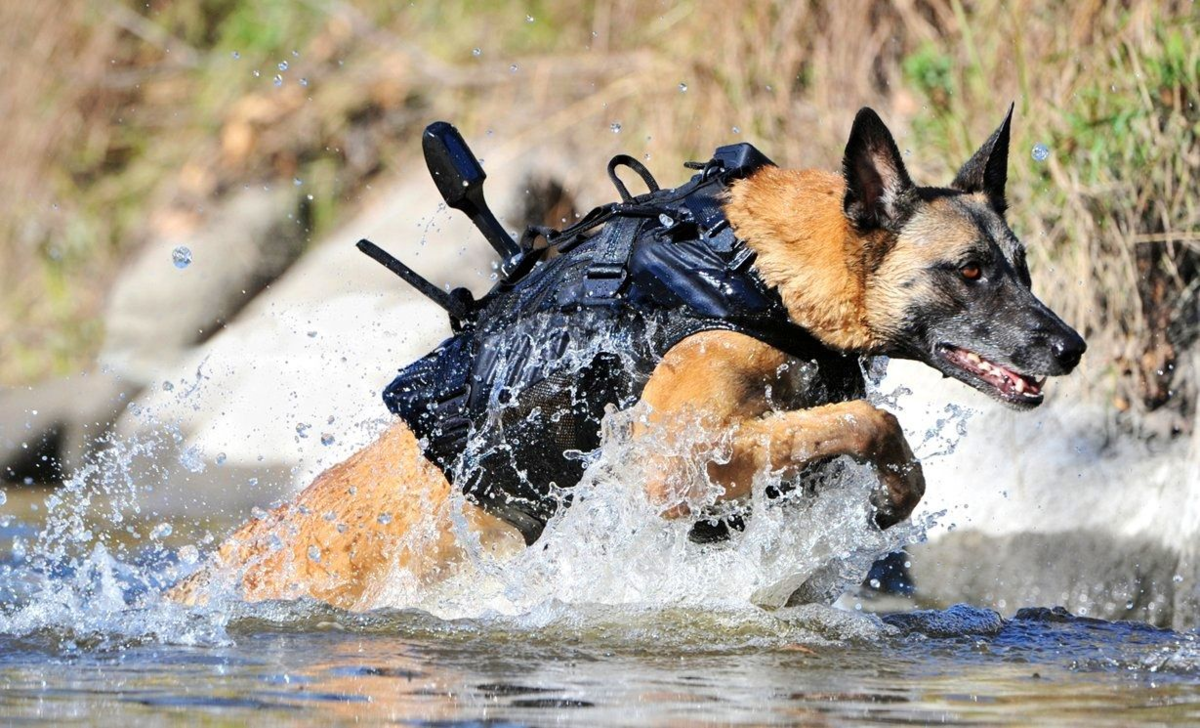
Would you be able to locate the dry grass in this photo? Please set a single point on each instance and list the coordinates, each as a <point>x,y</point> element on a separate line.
<point>116,114</point>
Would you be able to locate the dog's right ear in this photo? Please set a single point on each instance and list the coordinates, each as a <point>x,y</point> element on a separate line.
<point>876,179</point>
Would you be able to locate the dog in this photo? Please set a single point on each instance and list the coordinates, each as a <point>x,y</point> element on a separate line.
<point>865,260</point>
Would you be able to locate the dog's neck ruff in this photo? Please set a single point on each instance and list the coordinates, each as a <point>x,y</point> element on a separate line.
<point>806,249</point>
<point>507,406</point>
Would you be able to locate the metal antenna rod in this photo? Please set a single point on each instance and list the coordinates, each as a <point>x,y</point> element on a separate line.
<point>453,306</point>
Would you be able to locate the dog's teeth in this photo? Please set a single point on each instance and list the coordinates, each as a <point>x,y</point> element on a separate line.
<point>973,358</point>
<point>1021,386</point>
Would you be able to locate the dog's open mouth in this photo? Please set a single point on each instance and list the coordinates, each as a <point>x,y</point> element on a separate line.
<point>1005,384</point>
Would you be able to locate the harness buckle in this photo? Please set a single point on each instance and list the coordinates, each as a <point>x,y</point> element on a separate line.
<point>602,282</point>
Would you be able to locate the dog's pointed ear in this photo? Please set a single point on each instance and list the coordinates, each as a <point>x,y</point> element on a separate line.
<point>987,170</point>
<point>876,180</point>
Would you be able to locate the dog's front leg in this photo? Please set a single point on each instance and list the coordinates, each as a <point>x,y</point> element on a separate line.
<point>721,383</point>
<point>789,441</point>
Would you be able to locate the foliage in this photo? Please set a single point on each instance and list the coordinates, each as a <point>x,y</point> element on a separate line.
<point>122,111</point>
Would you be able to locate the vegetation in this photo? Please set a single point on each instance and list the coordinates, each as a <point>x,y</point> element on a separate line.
<point>122,119</point>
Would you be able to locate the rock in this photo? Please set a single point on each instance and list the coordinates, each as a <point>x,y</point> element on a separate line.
<point>48,429</point>
<point>156,311</point>
<point>1056,506</point>
<point>956,621</point>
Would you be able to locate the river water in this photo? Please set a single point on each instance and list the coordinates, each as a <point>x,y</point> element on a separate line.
<point>615,618</point>
<point>604,665</point>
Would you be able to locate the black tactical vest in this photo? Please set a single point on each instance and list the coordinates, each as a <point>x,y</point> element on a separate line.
<point>511,404</point>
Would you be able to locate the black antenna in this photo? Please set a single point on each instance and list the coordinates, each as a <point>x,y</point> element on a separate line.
<point>454,306</point>
<point>459,178</point>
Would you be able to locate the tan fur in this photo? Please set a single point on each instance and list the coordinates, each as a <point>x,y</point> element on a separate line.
<point>793,220</point>
<point>711,387</point>
<point>940,232</point>
<point>358,550</point>
<point>730,384</point>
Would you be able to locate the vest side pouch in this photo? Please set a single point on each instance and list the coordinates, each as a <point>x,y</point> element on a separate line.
<point>431,395</point>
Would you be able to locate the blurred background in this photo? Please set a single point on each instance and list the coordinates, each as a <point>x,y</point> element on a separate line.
<point>183,182</point>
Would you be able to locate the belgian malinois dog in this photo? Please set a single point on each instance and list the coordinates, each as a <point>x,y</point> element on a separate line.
<point>865,260</point>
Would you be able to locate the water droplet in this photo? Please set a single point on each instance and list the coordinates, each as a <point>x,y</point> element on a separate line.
<point>167,386</point>
<point>314,553</point>
<point>302,429</point>
<point>1178,578</point>
<point>296,181</point>
<point>220,458</point>
<point>3,497</point>
<point>682,87</point>
<point>875,584</point>
<point>513,68</point>
<point>236,55</point>
<point>192,460</point>
<point>736,130</point>
<point>181,257</point>
<point>616,127</point>
<point>304,82</point>
<point>256,73</point>
<point>283,65</point>
<point>327,439</point>
<point>385,519</point>
<point>278,80</point>
<point>189,554</point>
<point>309,196</point>
<point>1041,152</point>
<point>528,18</point>
<point>162,530</point>
<point>258,514</point>
<point>476,52</point>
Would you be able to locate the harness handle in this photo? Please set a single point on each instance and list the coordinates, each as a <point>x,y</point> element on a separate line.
<point>624,160</point>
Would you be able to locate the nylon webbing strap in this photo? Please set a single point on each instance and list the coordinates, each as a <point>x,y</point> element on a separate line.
<point>608,272</point>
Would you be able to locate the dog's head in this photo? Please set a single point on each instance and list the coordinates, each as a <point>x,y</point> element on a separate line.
<point>945,279</point>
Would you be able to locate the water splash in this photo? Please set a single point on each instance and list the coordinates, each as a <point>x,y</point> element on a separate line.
<point>612,549</point>
<point>91,575</point>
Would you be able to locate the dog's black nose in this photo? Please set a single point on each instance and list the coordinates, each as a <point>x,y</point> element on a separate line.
<point>1068,349</point>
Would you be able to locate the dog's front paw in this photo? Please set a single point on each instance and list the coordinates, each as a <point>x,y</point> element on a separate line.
<point>901,485</point>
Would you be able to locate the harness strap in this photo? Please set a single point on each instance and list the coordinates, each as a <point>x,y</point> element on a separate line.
<point>603,279</point>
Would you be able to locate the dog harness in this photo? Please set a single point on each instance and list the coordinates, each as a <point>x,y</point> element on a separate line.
<point>510,406</point>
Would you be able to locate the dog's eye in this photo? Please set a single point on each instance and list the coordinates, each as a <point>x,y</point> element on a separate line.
<point>971,271</point>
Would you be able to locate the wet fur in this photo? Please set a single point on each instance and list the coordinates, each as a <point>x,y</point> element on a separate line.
<point>860,259</point>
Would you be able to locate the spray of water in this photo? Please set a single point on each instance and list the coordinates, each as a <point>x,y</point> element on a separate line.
<point>92,575</point>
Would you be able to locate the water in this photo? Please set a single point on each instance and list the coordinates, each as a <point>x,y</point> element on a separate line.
<point>181,256</point>
<point>615,618</point>
<point>613,666</point>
